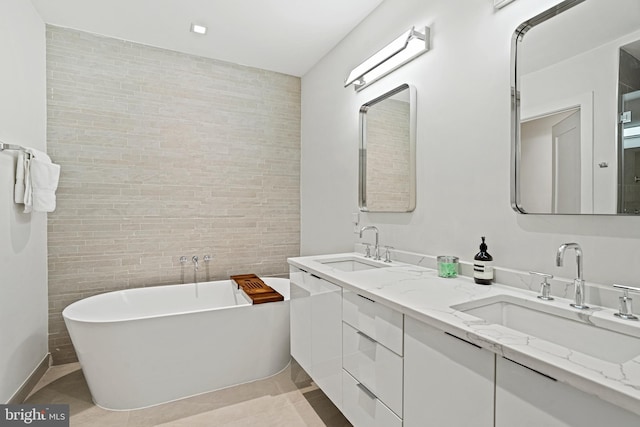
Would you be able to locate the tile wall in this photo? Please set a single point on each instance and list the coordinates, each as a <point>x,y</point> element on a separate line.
<point>388,156</point>
<point>164,154</point>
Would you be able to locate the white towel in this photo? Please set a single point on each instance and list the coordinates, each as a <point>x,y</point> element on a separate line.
<point>21,165</point>
<point>41,181</point>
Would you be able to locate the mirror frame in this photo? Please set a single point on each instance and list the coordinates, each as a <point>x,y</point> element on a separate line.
<point>516,161</point>
<point>362,185</point>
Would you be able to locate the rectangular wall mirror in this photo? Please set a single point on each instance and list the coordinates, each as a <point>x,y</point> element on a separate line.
<point>576,110</point>
<point>387,152</point>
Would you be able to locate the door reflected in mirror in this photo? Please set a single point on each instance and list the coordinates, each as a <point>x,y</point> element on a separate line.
<point>551,181</point>
<point>387,152</point>
<point>575,69</point>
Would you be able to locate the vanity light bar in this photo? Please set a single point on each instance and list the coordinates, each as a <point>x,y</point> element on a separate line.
<point>499,4</point>
<point>408,46</point>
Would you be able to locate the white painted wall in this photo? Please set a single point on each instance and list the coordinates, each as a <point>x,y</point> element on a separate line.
<point>463,148</point>
<point>23,237</point>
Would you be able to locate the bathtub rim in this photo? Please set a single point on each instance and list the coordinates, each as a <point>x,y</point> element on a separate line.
<point>66,317</point>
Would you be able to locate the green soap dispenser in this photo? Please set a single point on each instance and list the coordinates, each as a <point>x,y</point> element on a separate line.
<point>483,266</point>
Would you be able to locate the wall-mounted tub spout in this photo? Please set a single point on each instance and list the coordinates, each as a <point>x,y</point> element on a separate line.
<point>207,260</point>
<point>183,262</point>
<point>195,273</point>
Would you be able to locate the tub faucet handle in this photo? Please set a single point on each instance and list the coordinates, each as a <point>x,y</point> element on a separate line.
<point>183,259</point>
<point>207,258</point>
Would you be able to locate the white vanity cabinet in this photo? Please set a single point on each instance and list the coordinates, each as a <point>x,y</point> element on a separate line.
<point>383,368</point>
<point>300,317</point>
<point>527,398</point>
<point>447,381</point>
<point>316,330</point>
<point>372,362</point>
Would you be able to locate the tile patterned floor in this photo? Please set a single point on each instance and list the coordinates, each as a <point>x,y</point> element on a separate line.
<point>288,399</point>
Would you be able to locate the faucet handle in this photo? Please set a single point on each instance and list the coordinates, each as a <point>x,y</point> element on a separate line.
<point>626,288</point>
<point>183,259</point>
<point>207,258</point>
<point>545,287</point>
<point>367,250</point>
<point>387,254</point>
<point>625,309</point>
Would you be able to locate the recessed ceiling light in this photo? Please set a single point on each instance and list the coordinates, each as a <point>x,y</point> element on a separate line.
<point>198,29</point>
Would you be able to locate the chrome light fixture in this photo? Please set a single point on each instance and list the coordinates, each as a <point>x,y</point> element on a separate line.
<point>499,4</point>
<point>408,46</point>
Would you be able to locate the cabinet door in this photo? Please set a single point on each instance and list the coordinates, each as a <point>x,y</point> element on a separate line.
<point>526,398</point>
<point>326,338</point>
<point>447,381</point>
<point>300,317</point>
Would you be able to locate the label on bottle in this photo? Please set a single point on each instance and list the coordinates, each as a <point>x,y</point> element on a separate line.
<point>482,270</point>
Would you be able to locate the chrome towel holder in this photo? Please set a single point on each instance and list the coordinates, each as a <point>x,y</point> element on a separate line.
<point>5,146</point>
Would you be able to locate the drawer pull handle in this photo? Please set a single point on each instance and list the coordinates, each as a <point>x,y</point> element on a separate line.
<point>313,275</point>
<point>531,369</point>
<point>362,334</point>
<point>463,340</point>
<point>368,299</point>
<point>366,391</point>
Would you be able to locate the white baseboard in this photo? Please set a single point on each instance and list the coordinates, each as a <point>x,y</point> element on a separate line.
<point>28,385</point>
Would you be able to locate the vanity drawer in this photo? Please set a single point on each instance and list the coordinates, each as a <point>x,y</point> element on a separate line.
<point>375,320</point>
<point>375,366</point>
<point>362,408</point>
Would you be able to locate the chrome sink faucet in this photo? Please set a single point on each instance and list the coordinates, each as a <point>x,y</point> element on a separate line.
<point>578,282</point>
<point>376,250</point>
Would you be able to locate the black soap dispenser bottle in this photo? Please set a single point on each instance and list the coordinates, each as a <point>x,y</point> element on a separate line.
<point>483,266</point>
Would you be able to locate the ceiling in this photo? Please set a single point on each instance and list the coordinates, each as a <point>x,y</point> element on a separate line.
<point>287,36</point>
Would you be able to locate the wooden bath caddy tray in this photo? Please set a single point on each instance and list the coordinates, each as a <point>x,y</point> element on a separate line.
<point>256,289</point>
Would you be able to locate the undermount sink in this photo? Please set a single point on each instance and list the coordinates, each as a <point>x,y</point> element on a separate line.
<point>351,264</point>
<point>564,327</point>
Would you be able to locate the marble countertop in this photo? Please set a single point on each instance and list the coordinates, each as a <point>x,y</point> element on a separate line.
<point>418,292</point>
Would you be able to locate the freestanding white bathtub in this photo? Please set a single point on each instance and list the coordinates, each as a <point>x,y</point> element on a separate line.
<point>142,347</point>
